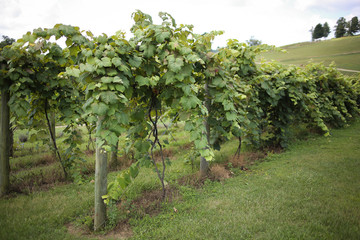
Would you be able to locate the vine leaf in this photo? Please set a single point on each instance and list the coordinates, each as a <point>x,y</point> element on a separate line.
<point>99,108</point>
<point>189,102</point>
<point>161,36</point>
<point>175,64</point>
<point>109,97</point>
<point>73,71</point>
<point>142,81</point>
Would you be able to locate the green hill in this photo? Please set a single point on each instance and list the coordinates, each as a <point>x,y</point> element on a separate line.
<point>345,52</point>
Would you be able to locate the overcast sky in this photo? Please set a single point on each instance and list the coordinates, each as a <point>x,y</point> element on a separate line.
<point>275,22</point>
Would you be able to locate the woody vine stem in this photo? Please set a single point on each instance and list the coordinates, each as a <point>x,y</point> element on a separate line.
<point>155,134</point>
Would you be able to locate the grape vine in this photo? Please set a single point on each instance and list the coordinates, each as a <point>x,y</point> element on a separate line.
<point>120,86</point>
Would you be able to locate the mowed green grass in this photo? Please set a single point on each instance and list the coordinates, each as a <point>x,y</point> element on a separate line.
<point>311,191</point>
<point>345,52</point>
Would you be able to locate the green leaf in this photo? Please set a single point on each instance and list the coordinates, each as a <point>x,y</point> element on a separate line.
<point>135,61</point>
<point>88,33</point>
<point>142,146</point>
<point>175,64</point>
<point>91,86</point>
<point>185,51</point>
<point>186,89</point>
<point>170,77</point>
<point>194,58</point>
<point>112,110</point>
<point>189,102</point>
<point>142,81</point>
<point>73,71</point>
<point>189,126</point>
<point>218,82</point>
<point>194,135</point>
<point>109,97</point>
<point>68,42</point>
<point>154,80</point>
<point>200,143</point>
<point>86,67</point>
<point>117,79</point>
<point>99,108</point>
<point>107,79</point>
<point>28,37</point>
<point>116,61</point>
<point>123,118</point>
<point>111,139</point>
<point>117,129</point>
<point>207,154</point>
<point>228,106</point>
<point>112,72</point>
<point>106,62</point>
<point>186,72</point>
<point>230,116</point>
<point>148,49</point>
<point>134,171</point>
<point>161,36</point>
<point>121,181</point>
<point>102,39</point>
<point>120,87</point>
<point>124,69</point>
<point>87,52</point>
<point>138,115</point>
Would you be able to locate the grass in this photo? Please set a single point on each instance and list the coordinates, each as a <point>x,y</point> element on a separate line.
<point>343,51</point>
<point>43,214</point>
<point>311,191</point>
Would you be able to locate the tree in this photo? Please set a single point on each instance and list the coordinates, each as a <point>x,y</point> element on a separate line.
<point>312,33</point>
<point>253,42</point>
<point>353,26</point>
<point>326,30</point>
<point>340,27</point>
<point>6,41</point>
<point>318,31</point>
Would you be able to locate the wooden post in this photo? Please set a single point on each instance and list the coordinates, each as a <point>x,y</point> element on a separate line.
<point>4,142</point>
<point>114,163</point>
<point>100,186</point>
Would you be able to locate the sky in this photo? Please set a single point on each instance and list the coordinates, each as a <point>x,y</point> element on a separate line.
<point>274,22</point>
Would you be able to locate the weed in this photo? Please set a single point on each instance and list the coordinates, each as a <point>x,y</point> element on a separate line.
<point>86,222</point>
<point>219,172</point>
<point>113,216</point>
<point>36,179</point>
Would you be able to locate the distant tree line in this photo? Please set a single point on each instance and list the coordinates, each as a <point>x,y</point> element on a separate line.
<point>253,42</point>
<point>342,28</point>
<point>350,28</point>
<point>320,31</point>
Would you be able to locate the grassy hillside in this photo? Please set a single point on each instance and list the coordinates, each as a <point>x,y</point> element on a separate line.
<point>345,52</point>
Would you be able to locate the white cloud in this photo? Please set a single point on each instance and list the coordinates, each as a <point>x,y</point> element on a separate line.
<point>329,5</point>
<point>275,22</point>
